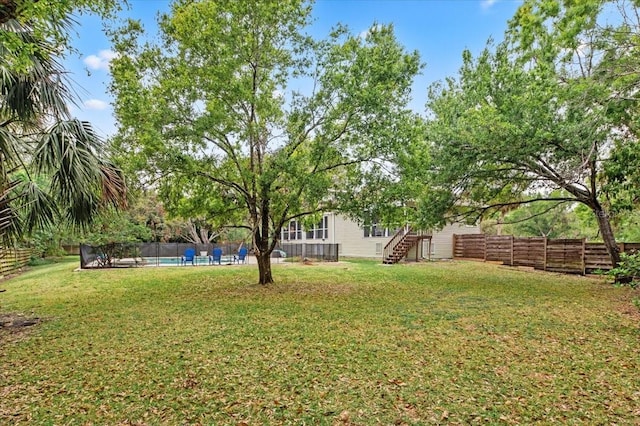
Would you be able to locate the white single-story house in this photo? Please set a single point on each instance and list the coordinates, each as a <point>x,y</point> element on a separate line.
<point>369,241</point>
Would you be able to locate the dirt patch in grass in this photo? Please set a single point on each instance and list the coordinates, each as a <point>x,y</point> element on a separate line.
<point>12,274</point>
<point>14,326</point>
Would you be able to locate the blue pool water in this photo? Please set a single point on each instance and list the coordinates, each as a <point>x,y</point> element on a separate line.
<point>162,261</point>
<point>175,261</point>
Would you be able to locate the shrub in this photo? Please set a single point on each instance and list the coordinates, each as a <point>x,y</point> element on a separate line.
<point>628,270</point>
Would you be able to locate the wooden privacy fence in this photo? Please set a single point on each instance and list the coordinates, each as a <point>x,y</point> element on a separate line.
<point>13,259</point>
<point>572,256</point>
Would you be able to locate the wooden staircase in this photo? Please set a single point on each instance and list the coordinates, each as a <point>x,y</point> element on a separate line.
<point>400,244</point>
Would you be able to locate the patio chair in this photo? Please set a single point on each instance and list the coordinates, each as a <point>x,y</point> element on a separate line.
<point>189,256</point>
<point>242,255</point>
<point>216,256</point>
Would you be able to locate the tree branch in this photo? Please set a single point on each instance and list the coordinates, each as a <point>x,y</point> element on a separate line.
<point>224,182</point>
<point>535,215</point>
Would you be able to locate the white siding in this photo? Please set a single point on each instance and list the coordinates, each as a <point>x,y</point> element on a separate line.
<point>352,242</point>
<point>442,241</point>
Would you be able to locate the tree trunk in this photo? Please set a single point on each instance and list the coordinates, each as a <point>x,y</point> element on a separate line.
<point>8,9</point>
<point>264,267</point>
<point>607,235</point>
<point>499,222</point>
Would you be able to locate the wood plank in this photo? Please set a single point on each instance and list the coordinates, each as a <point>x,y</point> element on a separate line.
<point>11,260</point>
<point>560,255</point>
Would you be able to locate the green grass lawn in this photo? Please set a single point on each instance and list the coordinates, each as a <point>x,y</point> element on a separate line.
<point>351,343</point>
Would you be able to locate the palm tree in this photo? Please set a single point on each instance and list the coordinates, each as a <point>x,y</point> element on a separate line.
<point>41,143</point>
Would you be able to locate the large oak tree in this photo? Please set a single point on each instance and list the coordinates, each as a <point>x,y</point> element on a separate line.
<point>240,115</point>
<point>545,110</point>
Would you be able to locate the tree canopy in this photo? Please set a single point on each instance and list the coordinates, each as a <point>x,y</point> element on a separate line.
<point>549,220</point>
<point>50,21</point>
<point>240,117</point>
<point>548,109</point>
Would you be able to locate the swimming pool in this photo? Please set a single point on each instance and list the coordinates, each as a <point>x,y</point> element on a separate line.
<point>175,261</point>
<point>164,261</point>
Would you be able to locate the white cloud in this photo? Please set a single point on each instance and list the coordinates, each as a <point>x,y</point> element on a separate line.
<point>486,4</point>
<point>363,34</point>
<point>101,60</point>
<point>96,104</point>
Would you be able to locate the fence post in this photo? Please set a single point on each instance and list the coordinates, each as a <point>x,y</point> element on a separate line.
<point>584,256</point>
<point>455,243</point>
<point>485,247</point>
<point>544,258</point>
<point>621,247</point>
<point>511,257</point>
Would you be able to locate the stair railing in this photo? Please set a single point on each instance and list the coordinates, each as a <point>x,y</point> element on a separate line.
<point>394,241</point>
<point>424,234</point>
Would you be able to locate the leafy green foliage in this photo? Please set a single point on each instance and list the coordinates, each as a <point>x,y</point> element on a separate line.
<point>347,343</point>
<point>625,223</point>
<point>114,227</point>
<point>628,225</point>
<point>550,220</point>
<point>47,242</point>
<point>53,258</point>
<point>52,167</point>
<point>551,108</point>
<point>112,235</point>
<point>47,20</point>
<point>629,268</point>
<point>241,119</point>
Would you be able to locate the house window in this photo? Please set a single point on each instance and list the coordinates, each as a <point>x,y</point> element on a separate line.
<point>320,230</point>
<point>292,232</point>
<point>375,230</point>
<point>378,248</point>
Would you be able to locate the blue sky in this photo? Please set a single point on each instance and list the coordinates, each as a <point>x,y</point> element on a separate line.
<point>438,29</point>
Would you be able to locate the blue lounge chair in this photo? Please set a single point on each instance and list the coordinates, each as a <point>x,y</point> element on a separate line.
<point>242,255</point>
<point>189,256</point>
<point>216,256</point>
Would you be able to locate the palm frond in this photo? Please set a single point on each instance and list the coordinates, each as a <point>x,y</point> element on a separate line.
<point>10,223</point>
<point>9,157</point>
<point>83,210</point>
<point>114,188</point>
<point>67,152</point>
<point>38,91</point>
<point>70,147</point>
<point>47,171</point>
<point>40,208</point>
